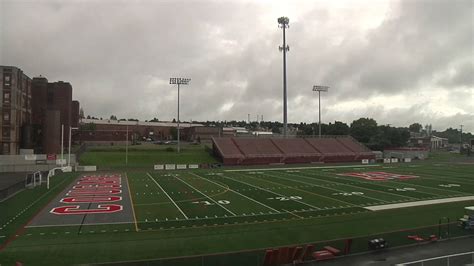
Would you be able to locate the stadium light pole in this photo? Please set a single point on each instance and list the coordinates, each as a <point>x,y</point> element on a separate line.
<point>320,89</point>
<point>179,81</point>
<point>460,139</point>
<point>283,22</point>
<point>69,149</point>
<point>62,145</point>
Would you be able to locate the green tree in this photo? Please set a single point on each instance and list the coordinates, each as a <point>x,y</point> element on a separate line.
<point>415,127</point>
<point>363,129</point>
<point>338,128</point>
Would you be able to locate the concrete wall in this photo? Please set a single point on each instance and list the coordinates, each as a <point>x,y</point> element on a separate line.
<point>19,163</point>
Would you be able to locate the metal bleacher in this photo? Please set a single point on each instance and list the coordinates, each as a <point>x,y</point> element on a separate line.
<point>248,151</point>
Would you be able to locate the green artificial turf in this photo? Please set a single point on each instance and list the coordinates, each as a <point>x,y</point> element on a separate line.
<point>202,212</point>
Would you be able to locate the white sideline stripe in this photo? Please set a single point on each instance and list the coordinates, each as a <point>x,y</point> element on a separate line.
<point>300,168</point>
<point>168,196</point>
<point>206,196</point>
<point>238,193</point>
<point>278,194</point>
<point>436,258</point>
<point>63,225</point>
<point>417,203</point>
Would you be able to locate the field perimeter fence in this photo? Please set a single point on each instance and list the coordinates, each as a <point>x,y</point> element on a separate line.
<point>406,237</point>
<point>11,190</point>
<point>466,258</point>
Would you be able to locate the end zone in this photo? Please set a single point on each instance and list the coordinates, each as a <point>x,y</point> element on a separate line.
<point>89,200</point>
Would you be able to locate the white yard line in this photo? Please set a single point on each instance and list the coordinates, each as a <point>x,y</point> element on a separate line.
<point>417,203</point>
<point>378,183</point>
<point>339,183</point>
<point>62,225</point>
<point>206,196</point>
<point>278,194</point>
<point>302,168</point>
<point>237,193</point>
<point>314,185</point>
<point>176,205</point>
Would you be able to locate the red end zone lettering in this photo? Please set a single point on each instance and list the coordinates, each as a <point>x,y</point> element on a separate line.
<point>99,186</point>
<point>75,209</point>
<point>89,199</point>
<point>378,176</point>
<point>94,192</point>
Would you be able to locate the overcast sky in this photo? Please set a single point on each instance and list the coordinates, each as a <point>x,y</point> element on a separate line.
<point>398,62</point>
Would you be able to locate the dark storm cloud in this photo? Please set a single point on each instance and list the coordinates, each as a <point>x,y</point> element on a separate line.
<point>119,55</point>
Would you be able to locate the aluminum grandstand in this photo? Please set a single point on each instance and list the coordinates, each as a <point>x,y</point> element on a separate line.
<point>247,151</point>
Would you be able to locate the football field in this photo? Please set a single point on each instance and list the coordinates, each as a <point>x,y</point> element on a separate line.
<point>151,215</point>
<point>168,200</point>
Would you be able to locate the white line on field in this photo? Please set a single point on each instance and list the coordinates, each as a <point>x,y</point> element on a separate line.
<point>63,225</point>
<point>300,168</point>
<point>176,205</point>
<point>206,196</point>
<point>303,182</point>
<point>417,203</point>
<point>237,193</point>
<point>278,194</point>
<point>287,211</point>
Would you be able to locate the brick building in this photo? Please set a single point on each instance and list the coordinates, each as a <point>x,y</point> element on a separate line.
<point>108,132</point>
<point>52,107</point>
<point>15,110</point>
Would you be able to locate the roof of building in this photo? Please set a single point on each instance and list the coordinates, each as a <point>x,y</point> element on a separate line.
<point>137,123</point>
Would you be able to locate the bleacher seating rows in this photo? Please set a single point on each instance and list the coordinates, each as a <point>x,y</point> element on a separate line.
<point>248,151</point>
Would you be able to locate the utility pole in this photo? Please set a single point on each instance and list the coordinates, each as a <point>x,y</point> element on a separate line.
<point>460,139</point>
<point>283,22</point>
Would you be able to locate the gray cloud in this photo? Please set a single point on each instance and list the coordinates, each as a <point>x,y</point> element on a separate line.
<point>119,55</point>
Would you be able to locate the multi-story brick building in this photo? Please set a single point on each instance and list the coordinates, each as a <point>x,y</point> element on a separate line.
<point>15,110</point>
<point>52,107</point>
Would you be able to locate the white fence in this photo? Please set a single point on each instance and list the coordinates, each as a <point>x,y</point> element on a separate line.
<point>466,258</point>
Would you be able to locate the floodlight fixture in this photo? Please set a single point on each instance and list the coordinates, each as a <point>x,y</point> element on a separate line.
<point>283,22</point>
<point>320,89</point>
<point>179,81</point>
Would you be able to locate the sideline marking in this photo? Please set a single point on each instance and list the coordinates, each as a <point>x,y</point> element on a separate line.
<point>417,203</point>
<point>206,196</point>
<point>287,211</point>
<point>131,201</point>
<point>168,196</point>
<point>64,225</point>
<point>238,193</point>
<point>300,168</point>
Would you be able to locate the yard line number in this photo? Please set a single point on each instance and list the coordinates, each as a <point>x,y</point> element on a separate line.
<point>285,198</point>
<point>205,202</point>
<point>349,193</point>
<point>403,189</point>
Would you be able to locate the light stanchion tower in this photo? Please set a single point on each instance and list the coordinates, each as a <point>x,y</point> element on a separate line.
<point>283,22</point>
<point>179,81</point>
<point>320,89</point>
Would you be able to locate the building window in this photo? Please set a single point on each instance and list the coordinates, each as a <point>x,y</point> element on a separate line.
<point>6,133</point>
<point>6,117</point>
<point>6,97</point>
<point>6,80</point>
<point>6,148</point>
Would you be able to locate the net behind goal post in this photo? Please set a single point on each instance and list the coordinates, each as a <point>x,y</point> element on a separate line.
<point>35,179</point>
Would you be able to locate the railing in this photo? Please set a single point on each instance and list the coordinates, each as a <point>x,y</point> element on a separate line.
<point>466,258</point>
<point>5,193</point>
